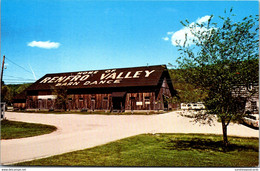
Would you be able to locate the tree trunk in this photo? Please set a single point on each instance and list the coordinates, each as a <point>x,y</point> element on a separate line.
<point>224,129</point>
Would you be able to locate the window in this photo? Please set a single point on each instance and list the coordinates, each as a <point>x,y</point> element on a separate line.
<point>70,99</point>
<point>92,98</point>
<point>105,99</point>
<point>147,99</point>
<point>132,98</point>
<point>80,99</point>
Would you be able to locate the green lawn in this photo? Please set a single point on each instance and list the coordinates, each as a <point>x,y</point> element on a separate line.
<point>13,129</point>
<point>162,150</point>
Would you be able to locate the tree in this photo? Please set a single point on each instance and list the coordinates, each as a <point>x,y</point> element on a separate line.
<point>186,92</point>
<point>22,87</point>
<point>62,97</point>
<point>6,94</point>
<point>224,56</point>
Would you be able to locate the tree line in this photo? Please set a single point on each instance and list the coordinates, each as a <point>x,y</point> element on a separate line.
<point>8,92</point>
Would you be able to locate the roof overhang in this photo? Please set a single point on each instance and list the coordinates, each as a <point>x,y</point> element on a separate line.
<point>118,94</point>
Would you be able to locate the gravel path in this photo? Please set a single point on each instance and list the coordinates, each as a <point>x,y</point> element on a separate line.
<point>76,132</point>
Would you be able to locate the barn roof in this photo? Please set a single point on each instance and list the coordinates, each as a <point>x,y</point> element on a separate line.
<point>120,77</point>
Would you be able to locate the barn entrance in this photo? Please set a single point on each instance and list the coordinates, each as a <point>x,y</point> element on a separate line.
<point>165,102</point>
<point>118,101</point>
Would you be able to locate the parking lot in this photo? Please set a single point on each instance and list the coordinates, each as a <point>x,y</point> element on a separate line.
<point>77,132</point>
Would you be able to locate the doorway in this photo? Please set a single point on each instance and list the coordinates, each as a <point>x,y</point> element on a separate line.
<point>118,101</point>
<point>165,102</point>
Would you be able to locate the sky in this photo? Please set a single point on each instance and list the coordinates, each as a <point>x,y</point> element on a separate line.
<point>53,36</point>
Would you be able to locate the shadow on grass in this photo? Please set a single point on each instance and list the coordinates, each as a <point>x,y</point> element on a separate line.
<point>206,145</point>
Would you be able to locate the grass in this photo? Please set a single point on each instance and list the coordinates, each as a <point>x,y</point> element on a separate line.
<point>174,150</point>
<point>13,129</point>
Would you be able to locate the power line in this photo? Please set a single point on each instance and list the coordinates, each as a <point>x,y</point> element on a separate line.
<point>6,83</point>
<point>18,65</point>
<point>18,77</point>
<point>17,82</point>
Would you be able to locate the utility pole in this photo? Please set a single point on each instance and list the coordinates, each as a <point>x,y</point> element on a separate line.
<point>2,105</point>
<point>2,69</point>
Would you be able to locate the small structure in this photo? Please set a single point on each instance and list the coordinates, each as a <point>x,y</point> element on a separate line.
<point>250,95</point>
<point>123,89</point>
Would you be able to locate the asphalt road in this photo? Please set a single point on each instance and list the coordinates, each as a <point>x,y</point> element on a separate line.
<point>76,132</point>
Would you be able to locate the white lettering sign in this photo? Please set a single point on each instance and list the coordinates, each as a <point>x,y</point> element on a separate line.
<point>47,97</point>
<point>147,73</point>
<point>137,74</point>
<point>45,80</point>
<point>84,78</point>
<point>139,103</point>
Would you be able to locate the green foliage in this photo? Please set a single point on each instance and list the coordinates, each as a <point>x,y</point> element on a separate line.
<point>172,150</point>
<point>9,91</point>
<point>226,55</point>
<point>13,129</point>
<point>62,97</point>
<point>6,94</point>
<point>22,87</point>
<point>187,92</point>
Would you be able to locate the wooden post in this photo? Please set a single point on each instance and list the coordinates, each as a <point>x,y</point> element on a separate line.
<point>2,108</point>
<point>2,69</point>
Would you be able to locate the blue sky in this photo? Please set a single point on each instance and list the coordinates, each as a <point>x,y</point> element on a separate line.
<point>53,36</point>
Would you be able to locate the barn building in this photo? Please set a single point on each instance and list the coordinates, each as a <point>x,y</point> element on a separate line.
<point>123,89</point>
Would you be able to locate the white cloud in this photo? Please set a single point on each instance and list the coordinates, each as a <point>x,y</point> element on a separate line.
<point>166,38</point>
<point>45,45</point>
<point>203,19</point>
<point>180,34</point>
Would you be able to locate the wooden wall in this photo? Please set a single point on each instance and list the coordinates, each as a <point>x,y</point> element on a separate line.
<point>132,101</point>
<point>143,98</point>
<point>19,106</point>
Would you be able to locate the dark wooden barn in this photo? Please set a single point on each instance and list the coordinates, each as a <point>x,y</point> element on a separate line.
<point>124,89</point>
<point>19,101</point>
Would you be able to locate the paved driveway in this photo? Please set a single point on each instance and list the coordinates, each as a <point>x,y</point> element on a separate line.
<point>76,132</point>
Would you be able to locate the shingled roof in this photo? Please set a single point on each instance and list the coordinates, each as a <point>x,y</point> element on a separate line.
<point>120,77</point>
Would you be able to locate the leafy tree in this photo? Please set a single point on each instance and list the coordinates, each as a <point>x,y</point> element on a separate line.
<point>62,97</point>
<point>6,94</point>
<point>224,55</point>
<point>186,92</point>
<point>22,87</point>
